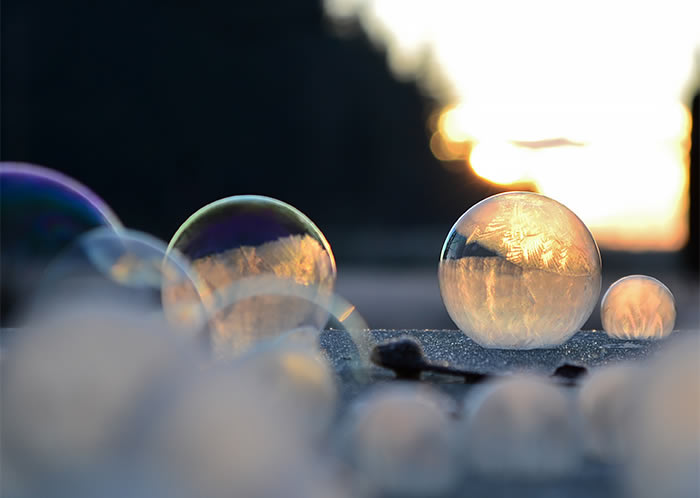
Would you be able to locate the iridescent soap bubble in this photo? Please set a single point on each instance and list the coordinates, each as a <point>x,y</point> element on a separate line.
<point>41,212</point>
<point>125,267</point>
<point>251,255</point>
<point>638,307</point>
<point>519,270</point>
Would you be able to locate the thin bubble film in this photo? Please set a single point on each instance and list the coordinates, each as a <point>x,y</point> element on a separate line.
<point>342,314</point>
<point>122,266</point>
<point>41,213</point>
<point>254,236</point>
<point>519,270</point>
<point>638,307</point>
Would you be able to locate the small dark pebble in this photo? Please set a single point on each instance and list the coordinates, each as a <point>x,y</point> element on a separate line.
<point>405,357</point>
<point>570,371</point>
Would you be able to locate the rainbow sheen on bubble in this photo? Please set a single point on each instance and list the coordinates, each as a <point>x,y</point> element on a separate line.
<point>262,269</point>
<point>122,267</point>
<point>519,270</point>
<point>638,307</point>
<point>41,212</point>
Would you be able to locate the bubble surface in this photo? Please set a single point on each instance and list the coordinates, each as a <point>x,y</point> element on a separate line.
<point>638,307</point>
<point>250,254</point>
<point>123,266</point>
<point>519,270</point>
<point>41,212</point>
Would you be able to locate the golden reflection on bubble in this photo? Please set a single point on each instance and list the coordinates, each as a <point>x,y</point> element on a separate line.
<point>638,307</point>
<point>296,260</point>
<point>519,270</point>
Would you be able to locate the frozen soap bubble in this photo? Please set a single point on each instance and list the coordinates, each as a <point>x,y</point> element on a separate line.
<point>398,439</point>
<point>127,267</point>
<point>247,252</point>
<point>519,270</point>
<point>520,427</point>
<point>638,307</point>
<point>41,213</point>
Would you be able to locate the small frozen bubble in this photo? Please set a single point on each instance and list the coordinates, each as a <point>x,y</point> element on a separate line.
<point>239,238</point>
<point>398,438</point>
<point>664,455</point>
<point>520,427</point>
<point>519,270</point>
<point>606,403</point>
<point>72,383</point>
<point>41,212</point>
<point>638,307</point>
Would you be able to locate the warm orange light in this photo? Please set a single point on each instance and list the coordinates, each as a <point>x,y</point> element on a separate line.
<point>582,103</point>
<point>624,171</point>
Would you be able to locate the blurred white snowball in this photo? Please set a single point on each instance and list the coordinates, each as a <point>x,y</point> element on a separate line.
<point>398,438</point>
<point>606,404</point>
<point>520,426</point>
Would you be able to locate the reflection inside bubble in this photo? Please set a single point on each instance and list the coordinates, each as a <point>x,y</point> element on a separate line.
<point>519,270</point>
<point>261,248</point>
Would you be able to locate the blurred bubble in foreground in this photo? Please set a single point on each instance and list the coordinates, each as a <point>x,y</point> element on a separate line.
<point>296,381</point>
<point>71,386</point>
<point>41,212</point>
<point>664,456</point>
<point>519,270</point>
<point>521,426</point>
<point>123,266</point>
<point>255,246</point>
<point>606,402</point>
<point>399,439</point>
<point>638,307</point>
<point>225,433</point>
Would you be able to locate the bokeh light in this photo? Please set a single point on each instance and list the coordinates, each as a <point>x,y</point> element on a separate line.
<point>583,105</point>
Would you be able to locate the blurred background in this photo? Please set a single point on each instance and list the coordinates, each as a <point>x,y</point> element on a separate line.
<point>382,120</point>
